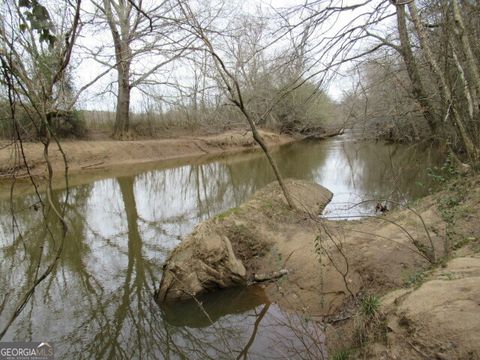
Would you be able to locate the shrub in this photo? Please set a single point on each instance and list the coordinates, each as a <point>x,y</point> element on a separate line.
<point>68,124</point>
<point>64,124</point>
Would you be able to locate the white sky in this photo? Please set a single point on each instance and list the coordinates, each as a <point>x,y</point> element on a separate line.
<point>89,69</point>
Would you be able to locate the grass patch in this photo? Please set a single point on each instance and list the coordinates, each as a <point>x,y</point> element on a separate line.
<point>415,279</point>
<point>342,354</point>
<point>227,213</point>
<point>463,242</point>
<point>370,324</point>
<point>370,306</point>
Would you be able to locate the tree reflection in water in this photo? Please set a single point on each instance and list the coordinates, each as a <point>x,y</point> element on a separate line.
<point>99,303</point>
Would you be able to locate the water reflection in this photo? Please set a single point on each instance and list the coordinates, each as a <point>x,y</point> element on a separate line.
<point>214,306</point>
<point>99,303</point>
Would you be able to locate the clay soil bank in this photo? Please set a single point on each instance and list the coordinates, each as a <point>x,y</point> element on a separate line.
<point>420,265</point>
<point>96,159</point>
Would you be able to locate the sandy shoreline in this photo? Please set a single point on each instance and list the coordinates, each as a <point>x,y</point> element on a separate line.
<point>424,292</point>
<point>92,157</point>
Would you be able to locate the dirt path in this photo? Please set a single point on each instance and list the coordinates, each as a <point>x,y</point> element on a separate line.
<point>87,156</point>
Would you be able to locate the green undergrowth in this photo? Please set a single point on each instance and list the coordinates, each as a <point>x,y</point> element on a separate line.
<point>233,211</point>
<point>341,354</point>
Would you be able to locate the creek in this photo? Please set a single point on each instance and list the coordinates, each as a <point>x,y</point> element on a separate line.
<point>99,304</point>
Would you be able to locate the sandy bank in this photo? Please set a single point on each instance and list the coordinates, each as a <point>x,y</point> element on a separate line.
<point>333,265</point>
<point>90,156</point>
<point>327,261</point>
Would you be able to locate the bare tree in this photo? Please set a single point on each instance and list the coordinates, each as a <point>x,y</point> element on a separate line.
<point>35,50</point>
<point>233,88</point>
<point>144,41</point>
<point>433,39</point>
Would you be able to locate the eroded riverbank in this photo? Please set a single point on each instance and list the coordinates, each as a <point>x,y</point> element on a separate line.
<point>83,156</point>
<point>96,160</point>
<point>123,224</point>
<point>333,267</point>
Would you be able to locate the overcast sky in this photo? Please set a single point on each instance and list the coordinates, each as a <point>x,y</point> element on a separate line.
<point>89,69</point>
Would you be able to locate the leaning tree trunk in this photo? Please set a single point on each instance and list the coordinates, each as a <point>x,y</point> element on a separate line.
<point>471,64</point>
<point>449,104</point>
<point>411,66</point>
<point>470,77</point>
<point>235,94</point>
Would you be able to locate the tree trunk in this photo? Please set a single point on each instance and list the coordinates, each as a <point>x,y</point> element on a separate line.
<point>449,104</point>
<point>472,70</point>
<point>120,29</point>
<point>233,88</point>
<point>122,117</point>
<point>412,69</point>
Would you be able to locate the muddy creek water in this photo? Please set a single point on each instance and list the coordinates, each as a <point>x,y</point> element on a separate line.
<point>98,304</point>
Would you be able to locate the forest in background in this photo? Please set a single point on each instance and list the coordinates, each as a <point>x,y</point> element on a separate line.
<point>407,71</point>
